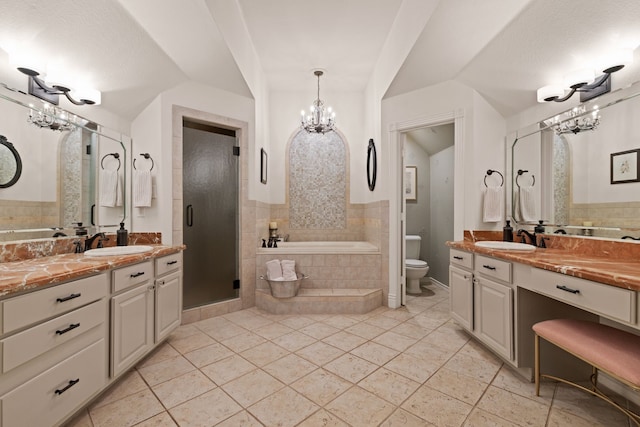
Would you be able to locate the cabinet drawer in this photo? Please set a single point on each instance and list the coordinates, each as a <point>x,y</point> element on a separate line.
<point>168,264</point>
<point>126,277</point>
<point>461,258</point>
<point>43,304</point>
<point>52,395</point>
<point>610,301</point>
<point>26,345</point>
<point>492,267</point>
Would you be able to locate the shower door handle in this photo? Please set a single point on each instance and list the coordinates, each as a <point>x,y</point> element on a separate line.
<point>189,215</point>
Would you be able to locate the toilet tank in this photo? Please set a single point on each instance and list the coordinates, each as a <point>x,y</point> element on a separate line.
<point>413,246</point>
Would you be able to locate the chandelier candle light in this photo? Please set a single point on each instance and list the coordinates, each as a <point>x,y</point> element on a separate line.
<point>52,118</point>
<point>318,120</point>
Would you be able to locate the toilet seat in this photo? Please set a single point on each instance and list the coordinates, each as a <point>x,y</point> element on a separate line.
<point>415,263</point>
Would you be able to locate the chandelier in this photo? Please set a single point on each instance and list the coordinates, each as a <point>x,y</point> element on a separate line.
<point>51,117</point>
<point>576,121</point>
<point>318,120</point>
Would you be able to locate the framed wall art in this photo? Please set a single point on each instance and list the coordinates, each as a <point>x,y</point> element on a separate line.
<point>624,166</point>
<point>411,183</point>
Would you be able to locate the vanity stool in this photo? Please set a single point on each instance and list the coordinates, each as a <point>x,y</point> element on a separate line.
<point>607,349</point>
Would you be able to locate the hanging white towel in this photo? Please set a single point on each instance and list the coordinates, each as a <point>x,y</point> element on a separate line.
<point>288,269</point>
<point>119,194</point>
<point>493,204</point>
<point>141,189</point>
<point>109,181</point>
<point>274,270</point>
<point>527,204</point>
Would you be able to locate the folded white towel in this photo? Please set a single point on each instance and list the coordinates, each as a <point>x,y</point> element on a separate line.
<point>288,269</point>
<point>527,204</point>
<point>274,270</point>
<point>108,187</point>
<point>141,189</point>
<point>493,204</point>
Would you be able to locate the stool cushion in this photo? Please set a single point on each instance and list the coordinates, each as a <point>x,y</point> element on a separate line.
<point>607,348</point>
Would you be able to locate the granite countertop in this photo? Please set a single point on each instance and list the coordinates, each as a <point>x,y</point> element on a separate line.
<point>611,263</point>
<point>26,275</point>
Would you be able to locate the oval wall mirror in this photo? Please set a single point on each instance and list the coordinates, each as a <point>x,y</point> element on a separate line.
<point>10,163</point>
<point>372,165</point>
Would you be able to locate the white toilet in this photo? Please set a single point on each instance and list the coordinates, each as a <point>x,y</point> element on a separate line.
<point>415,268</point>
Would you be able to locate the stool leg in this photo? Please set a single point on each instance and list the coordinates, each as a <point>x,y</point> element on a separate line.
<point>537,363</point>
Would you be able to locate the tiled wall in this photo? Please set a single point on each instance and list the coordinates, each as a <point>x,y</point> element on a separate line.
<point>17,214</point>
<point>623,214</point>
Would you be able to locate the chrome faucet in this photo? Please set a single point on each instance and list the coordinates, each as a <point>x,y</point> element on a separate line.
<point>88,242</point>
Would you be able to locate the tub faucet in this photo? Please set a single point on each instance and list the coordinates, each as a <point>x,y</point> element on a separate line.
<point>88,242</point>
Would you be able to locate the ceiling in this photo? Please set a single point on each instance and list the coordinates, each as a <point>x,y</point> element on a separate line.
<point>132,50</point>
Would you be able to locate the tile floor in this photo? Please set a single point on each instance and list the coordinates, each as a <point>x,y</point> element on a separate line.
<point>407,367</point>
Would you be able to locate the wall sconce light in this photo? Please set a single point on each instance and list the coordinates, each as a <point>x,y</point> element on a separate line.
<point>584,80</point>
<point>51,117</point>
<point>38,88</point>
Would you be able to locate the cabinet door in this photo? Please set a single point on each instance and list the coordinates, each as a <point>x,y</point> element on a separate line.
<point>461,296</point>
<point>131,326</point>
<point>494,311</point>
<point>168,304</point>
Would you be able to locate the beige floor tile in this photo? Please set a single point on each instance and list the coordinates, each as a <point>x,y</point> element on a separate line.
<point>481,370</point>
<point>247,319</point>
<point>264,353</point>
<point>375,353</point>
<point>319,330</point>
<point>230,330</point>
<point>217,322</point>
<point>365,330</point>
<point>241,419</point>
<point>165,370</point>
<point>323,418</point>
<point>478,351</point>
<point>360,408</point>
<point>290,368</point>
<point>294,341</point>
<point>350,367</point>
<point>297,322</point>
<point>446,340</point>
<point>390,386</point>
<point>207,355</point>
<point>205,410</point>
<point>272,330</point>
<point>161,353</point>
<point>286,408</point>
<point>383,322</point>
<point>512,407</point>
<point>480,418</point>
<point>457,385</point>
<point>410,330</point>
<point>395,341</point>
<point>425,350</point>
<point>437,408</point>
<point>163,419</point>
<point>183,331</point>
<point>584,405</point>
<point>402,418</point>
<point>180,389</point>
<point>413,368</point>
<point>400,314</point>
<point>560,418</point>
<point>321,386</point>
<point>225,370</point>
<point>427,323</point>
<point>344,340</point>
<point>129,384</point>
<point>252,387</point>
<point>320,353</point>
<point>127,411</point>
<point>192,342</point>
<point>515,383</point>
<point>243,341</point>
<point>340,322</point>
<point>80,420</point>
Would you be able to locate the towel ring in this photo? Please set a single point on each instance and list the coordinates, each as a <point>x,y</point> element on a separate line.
<point>521,172</point>
<point>146,156</point>
<point>115,156</point>
<point>489,172</point>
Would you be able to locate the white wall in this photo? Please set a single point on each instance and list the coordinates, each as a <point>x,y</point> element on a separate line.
<point>152,132</point>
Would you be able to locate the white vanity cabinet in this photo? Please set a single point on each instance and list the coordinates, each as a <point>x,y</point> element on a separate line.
<point>461,287</point>
<point>53,351</point>
<point>168,303</point>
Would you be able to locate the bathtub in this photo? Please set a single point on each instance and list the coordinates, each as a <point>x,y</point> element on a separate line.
<point>306,248</point>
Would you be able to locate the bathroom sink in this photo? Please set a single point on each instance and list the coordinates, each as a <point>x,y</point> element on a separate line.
<point>118,250</point>
<point>506,246</point>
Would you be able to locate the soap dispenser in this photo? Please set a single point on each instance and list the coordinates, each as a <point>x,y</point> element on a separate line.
<point>122,236</point>
<point>507,232</point>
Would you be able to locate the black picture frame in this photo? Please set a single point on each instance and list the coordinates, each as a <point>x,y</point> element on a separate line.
<point>624,166</point>
<point>263,166</point>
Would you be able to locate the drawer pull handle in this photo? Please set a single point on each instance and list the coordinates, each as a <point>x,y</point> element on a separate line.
<point>172,262</point>
<point>459,258</point>
<point>70,328</point>
<point>140,273</point>
<point>488,267</point>
<point>566,289</point>
<point>68,386</point>
<point>72,296</point>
